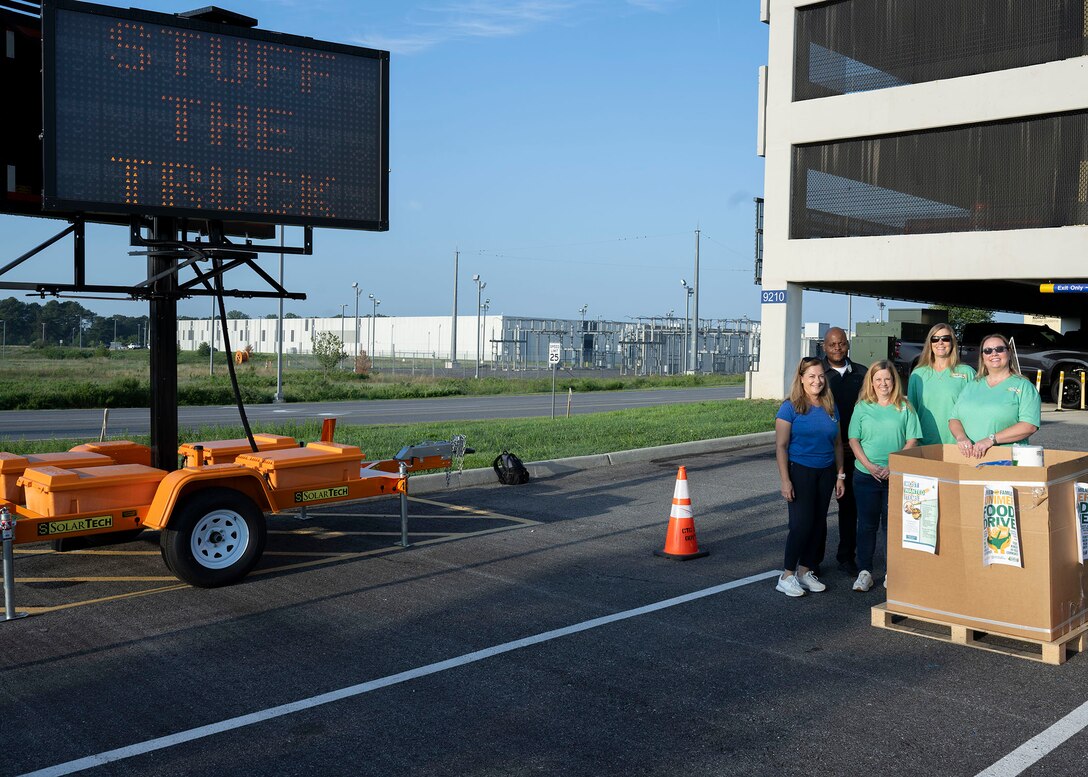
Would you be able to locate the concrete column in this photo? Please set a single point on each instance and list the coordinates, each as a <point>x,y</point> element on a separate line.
<point>780,342</point>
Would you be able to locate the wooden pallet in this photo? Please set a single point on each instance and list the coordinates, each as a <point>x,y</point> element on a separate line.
<point>1033,650</point>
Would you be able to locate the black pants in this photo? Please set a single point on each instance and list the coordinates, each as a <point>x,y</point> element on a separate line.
<point>848,514</point>
<point>812,489</point>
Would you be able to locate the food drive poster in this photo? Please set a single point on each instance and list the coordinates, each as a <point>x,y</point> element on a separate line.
<point>920,513</point>
<point>1082,520</point>
<point>1000,536</point>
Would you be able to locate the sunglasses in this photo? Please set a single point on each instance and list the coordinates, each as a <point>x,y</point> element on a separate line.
<point>941,339</point>
<point>995,349</point>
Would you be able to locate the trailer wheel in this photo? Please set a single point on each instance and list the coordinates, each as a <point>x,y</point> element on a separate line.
<point>214,538</point>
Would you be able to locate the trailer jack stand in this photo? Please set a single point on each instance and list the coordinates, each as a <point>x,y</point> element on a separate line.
<point>7,532</point>
<point>403,471</point>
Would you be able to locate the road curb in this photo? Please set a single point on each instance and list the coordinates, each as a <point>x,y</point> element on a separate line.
<point>485,476</point>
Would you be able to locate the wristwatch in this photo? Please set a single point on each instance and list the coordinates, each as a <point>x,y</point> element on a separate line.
<point>993,439</point>
<point>842,476</point>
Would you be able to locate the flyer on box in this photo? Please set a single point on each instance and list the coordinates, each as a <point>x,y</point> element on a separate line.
<point>920,513</point>
<point>1082,520</point>
<point>1000,536</point>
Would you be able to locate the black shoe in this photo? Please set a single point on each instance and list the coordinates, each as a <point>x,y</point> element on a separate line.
<point>848,568</point>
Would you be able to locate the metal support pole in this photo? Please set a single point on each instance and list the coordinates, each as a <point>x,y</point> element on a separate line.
<point>453,336</point>
<point>279,332</point>
<point>694,365</point>
<point>211,337</point>
<point>554,366</point>
<point>403,471</point>
<point>7,531</point>
<point>163,339</point>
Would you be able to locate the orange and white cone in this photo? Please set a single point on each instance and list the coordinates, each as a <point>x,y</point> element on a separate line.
<point>680,541</point>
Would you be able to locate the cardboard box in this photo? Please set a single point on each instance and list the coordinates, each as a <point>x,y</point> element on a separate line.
<point>1043,599</point>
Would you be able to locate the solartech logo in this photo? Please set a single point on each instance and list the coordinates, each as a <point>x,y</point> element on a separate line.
<point>75,525</point>
<point>321,493</point>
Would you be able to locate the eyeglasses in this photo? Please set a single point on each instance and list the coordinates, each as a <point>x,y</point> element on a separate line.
<point>995,349</point>
<point>941,339</point>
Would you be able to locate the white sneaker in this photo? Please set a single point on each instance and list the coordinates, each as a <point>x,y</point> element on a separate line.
<point>789,586</point>
<point>864,581</point>
<point>812,583</point>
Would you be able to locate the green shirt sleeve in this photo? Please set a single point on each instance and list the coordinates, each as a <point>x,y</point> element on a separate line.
<point>913,426</point>
<point>1030,405</point>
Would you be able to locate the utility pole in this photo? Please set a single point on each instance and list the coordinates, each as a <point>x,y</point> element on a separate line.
<point>453,337</point>
<point>342,309</point>
<point>695,311</point>
<point>480,286</point>
<point>358,291</point>
<point>211,336</point>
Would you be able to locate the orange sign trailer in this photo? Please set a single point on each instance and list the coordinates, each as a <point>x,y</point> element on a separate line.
<point>211,513</point>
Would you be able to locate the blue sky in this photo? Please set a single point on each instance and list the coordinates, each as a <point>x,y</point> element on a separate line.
<point>568,149</point>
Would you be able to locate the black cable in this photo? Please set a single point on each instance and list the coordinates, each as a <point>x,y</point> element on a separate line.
<point>230,361</point>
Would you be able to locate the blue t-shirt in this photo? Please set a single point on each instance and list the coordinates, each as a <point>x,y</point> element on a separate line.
<point>812,435</point>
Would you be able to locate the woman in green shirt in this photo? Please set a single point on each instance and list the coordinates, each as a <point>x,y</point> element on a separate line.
<point>883,423</point>
<point>936,383</point>
<point>999,407</point>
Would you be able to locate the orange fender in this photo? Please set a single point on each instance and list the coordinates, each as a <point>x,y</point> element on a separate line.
<point>181,482</point>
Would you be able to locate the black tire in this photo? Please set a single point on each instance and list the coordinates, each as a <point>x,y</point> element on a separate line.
<point>214,538</point>
<point>1071,397</point>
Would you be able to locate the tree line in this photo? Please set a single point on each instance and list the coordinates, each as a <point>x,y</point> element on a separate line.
<point>70,324</point>
<point>66,323</point>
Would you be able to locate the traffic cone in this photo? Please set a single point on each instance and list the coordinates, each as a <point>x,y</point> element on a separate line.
<point>680,541</point>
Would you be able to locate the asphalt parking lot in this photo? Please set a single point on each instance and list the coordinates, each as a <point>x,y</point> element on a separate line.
<point>528,630</point>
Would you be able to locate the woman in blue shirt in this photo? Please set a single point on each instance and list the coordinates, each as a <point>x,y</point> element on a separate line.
<point>808,449</point>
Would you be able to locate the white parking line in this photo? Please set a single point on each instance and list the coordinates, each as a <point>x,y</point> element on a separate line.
<point>241,721</point>
<point>1039,745</point>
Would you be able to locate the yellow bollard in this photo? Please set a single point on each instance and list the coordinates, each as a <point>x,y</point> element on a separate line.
<point>1082,389</point>
<point>1039,381</point>
<point>1061,388</point>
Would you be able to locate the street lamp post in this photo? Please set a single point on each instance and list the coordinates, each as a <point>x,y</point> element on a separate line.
<point>581,346</point>
<point>688,292</point>
<point>374,302</point>
<point>480,286</point>
<point>358,291</point>
<point>343,308</point>
<point>487,306</point>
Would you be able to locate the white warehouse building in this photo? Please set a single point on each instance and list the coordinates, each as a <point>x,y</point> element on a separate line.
<point>934,151</point>
<point>389,334</point>
<point>647,345</point>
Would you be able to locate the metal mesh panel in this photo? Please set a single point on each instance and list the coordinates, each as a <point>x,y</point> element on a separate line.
<point>861,45</point>
<point>1019,174</point>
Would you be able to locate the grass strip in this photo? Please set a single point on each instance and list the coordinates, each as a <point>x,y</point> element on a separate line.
<point>57,378</point>
<point>532,439</point>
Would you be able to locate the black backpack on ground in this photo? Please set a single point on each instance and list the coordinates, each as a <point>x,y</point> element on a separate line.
<point>510,469</point>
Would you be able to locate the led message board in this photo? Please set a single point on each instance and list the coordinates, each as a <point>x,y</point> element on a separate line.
<point>151,114</point>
